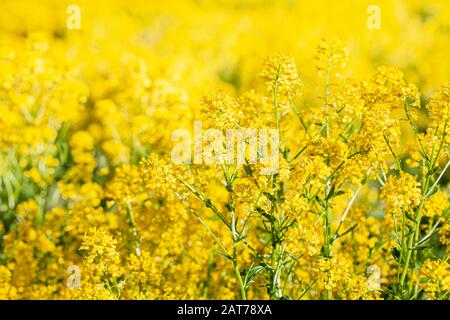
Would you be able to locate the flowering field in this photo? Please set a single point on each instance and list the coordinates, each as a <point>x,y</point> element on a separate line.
<point>224,149</point>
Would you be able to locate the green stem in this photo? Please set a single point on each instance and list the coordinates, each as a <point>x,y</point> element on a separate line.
<point>410,246</point>
<point>327,245</point>
<point>275,102</point>
<point>134,230</point>
<point>235,259</point>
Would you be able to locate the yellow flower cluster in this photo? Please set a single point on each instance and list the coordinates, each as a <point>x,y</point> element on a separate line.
<point>280,74</point>
<point>332,56</point>
<point>437,278</point>
<point>92,206</point>
<point>401,193</point>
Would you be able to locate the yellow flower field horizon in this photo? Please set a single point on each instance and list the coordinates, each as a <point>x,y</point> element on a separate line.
<point>224,149</point>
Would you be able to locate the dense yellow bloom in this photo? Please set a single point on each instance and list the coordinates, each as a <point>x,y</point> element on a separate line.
<point>6,290</point>
<point>436,205</point>
<point>280,75</point>
<point>220,110</point>
<point>332,56</point>
<point>102,256</point>
<point>126,186</point>
<point>444,234</point>
<point>401,193</point>
<point>302,240</point>
<point>437,278</point>
<point>92,206</point>
<point>439,109</point>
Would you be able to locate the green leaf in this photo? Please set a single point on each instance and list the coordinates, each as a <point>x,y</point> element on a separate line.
<point>250,275</point>
<point>396,254</point>
<point>264,214</point>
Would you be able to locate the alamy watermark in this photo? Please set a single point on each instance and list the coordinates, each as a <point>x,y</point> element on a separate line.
<point>73,21</point>
<point>237,146</point>
<point>374,18</point>
<point>374,277</point>
<point>74,279</point>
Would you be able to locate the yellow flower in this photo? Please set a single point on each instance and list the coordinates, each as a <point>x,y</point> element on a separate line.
<point>444,234</point>
<point>439,110</point>
<point>436,204</point>
<point>126,186</point>
<point>401,193</point>
<point>102,256</point>
<point>280,75</point>
<point>7,291</point>
<point>220,110</point>
<point>331,56</point>
<point>436,274</point>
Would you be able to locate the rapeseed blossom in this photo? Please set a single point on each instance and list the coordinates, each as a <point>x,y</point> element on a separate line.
<point>92,206</point>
